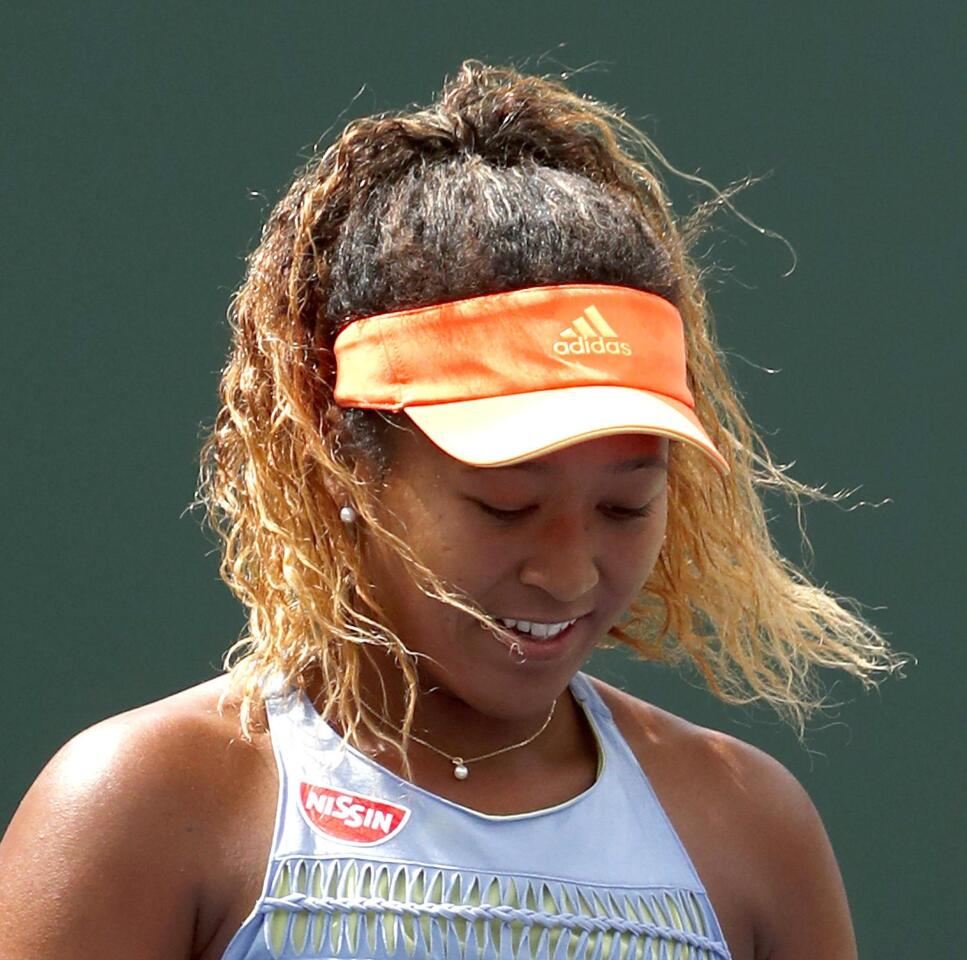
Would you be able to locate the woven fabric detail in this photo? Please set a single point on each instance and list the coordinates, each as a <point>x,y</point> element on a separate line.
<point>356,908</point>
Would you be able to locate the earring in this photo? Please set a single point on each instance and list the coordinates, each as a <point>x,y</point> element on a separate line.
<point>348,515</point>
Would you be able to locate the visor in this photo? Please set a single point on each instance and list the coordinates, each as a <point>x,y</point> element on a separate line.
<point>502,378</point>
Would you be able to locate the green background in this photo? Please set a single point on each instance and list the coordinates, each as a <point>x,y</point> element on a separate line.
<point>142,147</point>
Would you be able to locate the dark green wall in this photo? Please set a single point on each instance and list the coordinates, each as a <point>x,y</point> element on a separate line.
<point>142,146</point>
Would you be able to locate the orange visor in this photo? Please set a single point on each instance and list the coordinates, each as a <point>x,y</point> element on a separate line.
<point>502,378</point>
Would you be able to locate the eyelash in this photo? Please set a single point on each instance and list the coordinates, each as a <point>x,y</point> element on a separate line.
<point>508,515</point>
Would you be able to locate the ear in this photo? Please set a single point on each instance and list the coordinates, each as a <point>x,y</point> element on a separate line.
<point>337,491</point>
<point>333,488</point>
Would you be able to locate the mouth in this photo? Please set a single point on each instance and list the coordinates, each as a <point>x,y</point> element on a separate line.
<point>540,641</point>
<point>535,630</point>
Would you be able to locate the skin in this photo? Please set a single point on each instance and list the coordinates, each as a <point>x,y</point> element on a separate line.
<point>569,544</point>
<point>146,837</point>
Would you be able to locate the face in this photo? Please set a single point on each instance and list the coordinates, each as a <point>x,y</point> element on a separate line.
<point>574,534</point>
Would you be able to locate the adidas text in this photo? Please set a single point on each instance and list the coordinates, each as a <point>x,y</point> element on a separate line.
<point>597,345</point>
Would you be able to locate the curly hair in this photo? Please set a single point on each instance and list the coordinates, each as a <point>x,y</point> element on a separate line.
<point>505,181</point>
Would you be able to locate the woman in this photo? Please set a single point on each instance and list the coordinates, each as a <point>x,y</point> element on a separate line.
<point>473,426</point>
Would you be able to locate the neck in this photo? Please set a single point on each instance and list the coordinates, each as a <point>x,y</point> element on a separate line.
<point>452,725</point>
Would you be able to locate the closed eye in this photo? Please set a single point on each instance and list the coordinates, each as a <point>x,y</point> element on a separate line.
<point>618,513</point>
<point>630,513</point>
<point>503,514</point>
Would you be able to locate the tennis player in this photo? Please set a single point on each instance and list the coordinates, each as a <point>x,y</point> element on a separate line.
<point>474,426</point>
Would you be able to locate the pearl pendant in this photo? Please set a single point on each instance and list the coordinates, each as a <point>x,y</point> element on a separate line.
<point>460,770</point>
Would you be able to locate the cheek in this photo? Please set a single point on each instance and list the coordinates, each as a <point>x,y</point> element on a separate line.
<point>648,544</point>
<point>455,560</point>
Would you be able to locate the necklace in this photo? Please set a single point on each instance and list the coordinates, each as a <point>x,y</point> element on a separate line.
<point>461,766</point>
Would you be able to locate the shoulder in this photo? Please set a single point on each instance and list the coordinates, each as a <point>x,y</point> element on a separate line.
<point>729,768</point>
<point>755,787</point>
<point>745,812</point>
<point>149,761</point>
<point>126,814</point>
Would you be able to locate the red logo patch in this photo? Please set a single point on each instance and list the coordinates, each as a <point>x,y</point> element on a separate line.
<point>350,817</point>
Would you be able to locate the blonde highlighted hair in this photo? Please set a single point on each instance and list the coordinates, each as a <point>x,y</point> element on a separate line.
<point>505,181</point>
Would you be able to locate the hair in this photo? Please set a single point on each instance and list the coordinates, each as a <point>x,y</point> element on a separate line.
<point>505,181</point>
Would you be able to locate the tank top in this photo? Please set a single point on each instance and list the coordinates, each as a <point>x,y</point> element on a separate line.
<point>367,865</point>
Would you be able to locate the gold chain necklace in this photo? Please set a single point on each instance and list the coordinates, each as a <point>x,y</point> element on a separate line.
<point>461,766</point>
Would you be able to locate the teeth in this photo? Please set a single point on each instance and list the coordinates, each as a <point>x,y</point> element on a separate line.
<point>541,630</point>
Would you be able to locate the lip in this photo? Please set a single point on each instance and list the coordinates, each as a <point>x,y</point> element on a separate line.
<point>550,648</point>
<point>575,617</point>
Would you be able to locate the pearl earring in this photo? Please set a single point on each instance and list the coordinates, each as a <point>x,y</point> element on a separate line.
<point>348,515</point>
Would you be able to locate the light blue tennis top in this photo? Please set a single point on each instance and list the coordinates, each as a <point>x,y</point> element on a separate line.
<point>366,865</point>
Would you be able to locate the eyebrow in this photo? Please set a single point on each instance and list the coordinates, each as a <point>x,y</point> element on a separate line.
<point>537,466</point>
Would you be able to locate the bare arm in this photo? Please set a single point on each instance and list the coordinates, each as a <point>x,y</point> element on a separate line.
<point>807,913</point>
<point>96,862</point>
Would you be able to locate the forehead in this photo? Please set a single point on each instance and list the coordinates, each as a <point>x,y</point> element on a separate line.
<point>619,454</point>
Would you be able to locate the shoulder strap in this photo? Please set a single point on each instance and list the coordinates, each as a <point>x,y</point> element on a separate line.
<point>584,691</point>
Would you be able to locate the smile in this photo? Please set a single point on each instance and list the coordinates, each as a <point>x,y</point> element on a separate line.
<point>538,630</point>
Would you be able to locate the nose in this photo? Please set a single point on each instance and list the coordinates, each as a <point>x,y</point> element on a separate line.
<point>562,560</point>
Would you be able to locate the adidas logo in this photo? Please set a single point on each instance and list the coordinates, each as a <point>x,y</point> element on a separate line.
<point>590,333</point>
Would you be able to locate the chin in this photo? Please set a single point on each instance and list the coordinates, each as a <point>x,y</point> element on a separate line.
<point>516,691</point>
